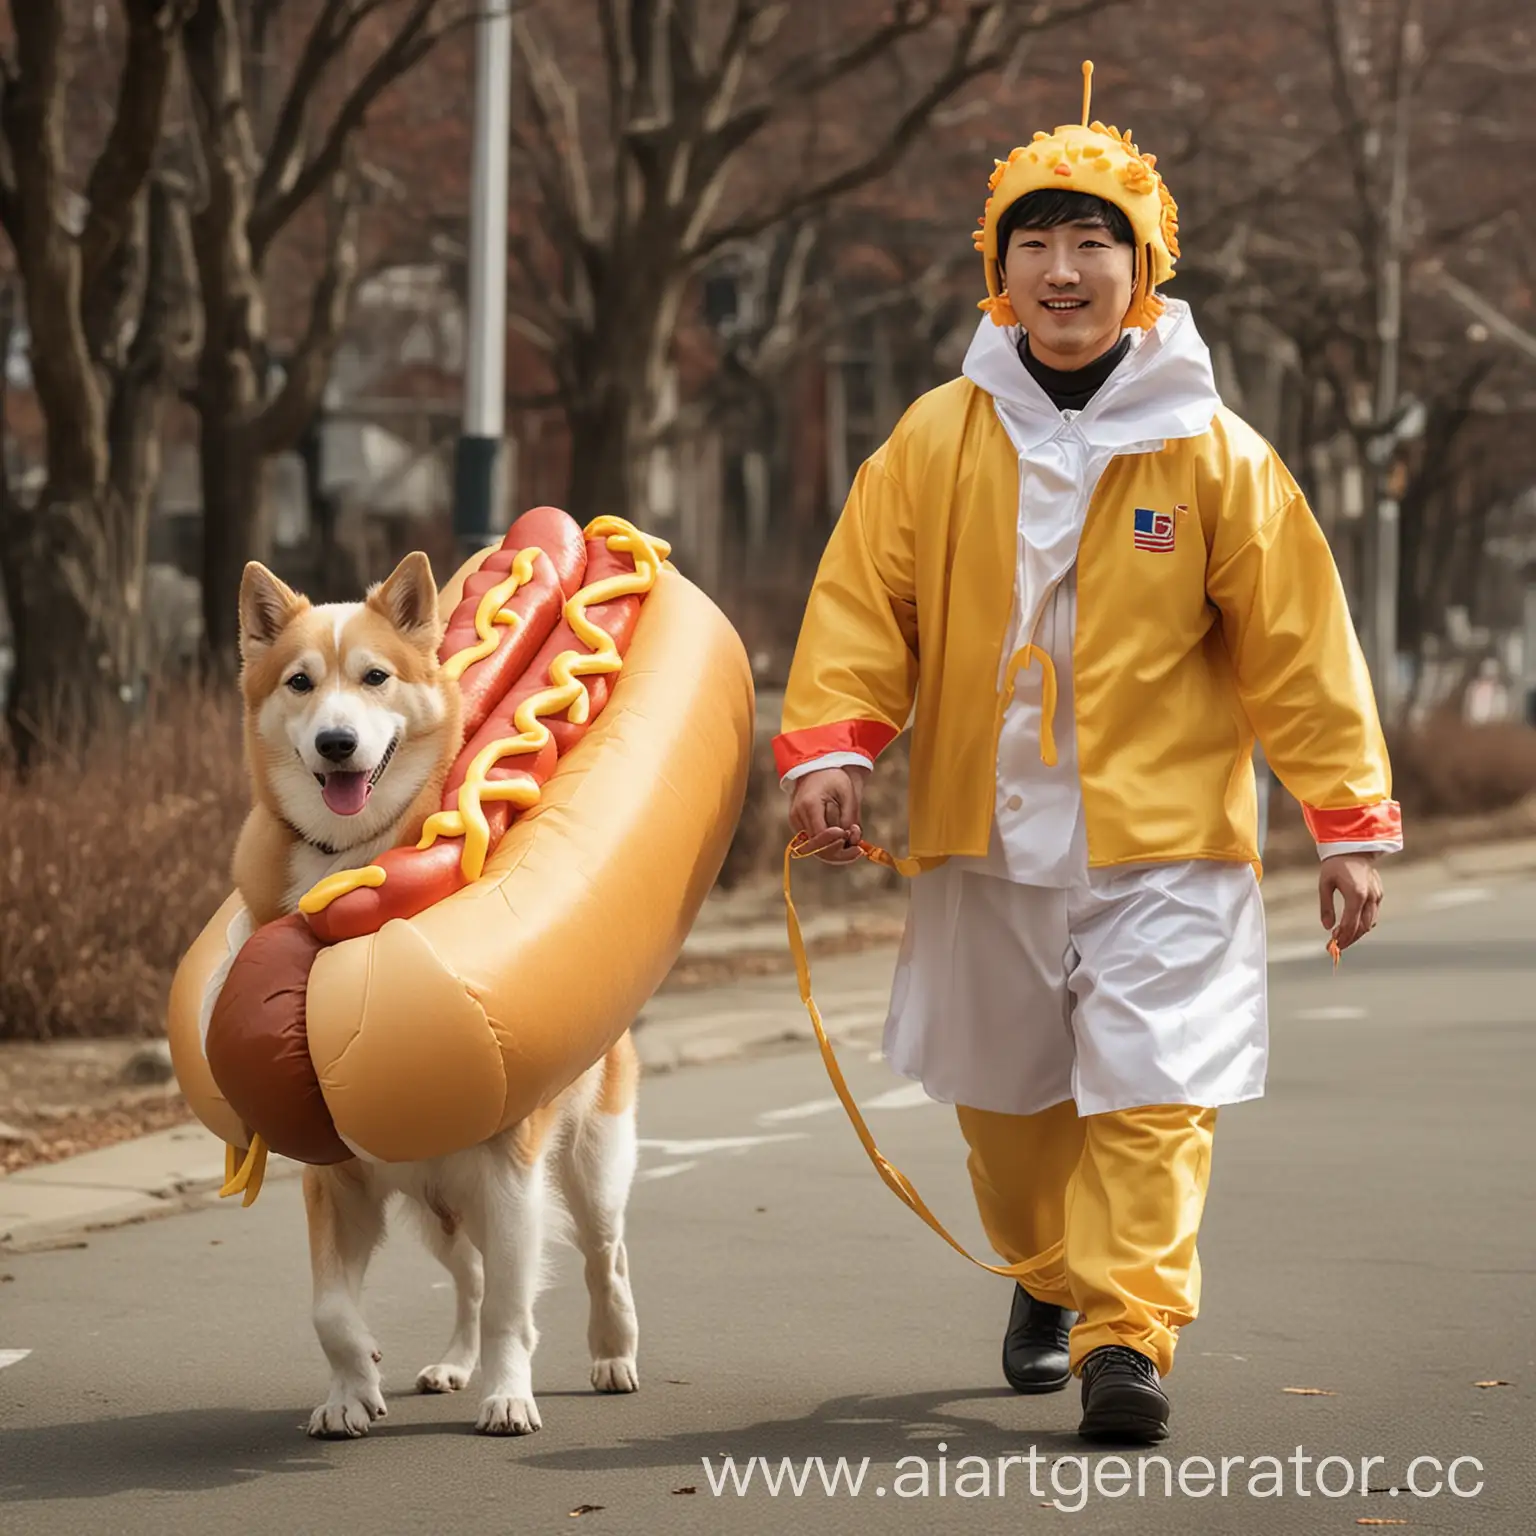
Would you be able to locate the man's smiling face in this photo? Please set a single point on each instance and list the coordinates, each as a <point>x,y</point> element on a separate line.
<point>1070,287</point>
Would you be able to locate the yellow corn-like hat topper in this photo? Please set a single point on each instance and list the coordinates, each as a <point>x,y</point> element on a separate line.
<point>1099,161</point>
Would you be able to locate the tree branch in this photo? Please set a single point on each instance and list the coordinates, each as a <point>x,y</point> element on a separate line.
<point>553,98</point>
<point>1354,116</point>
<point>328,37</point>
<point>49,257</point>
<point>282,421</point>
<point>415,38</point>
<point>977,50</point>
<point>618,64</point>
<point>125,160</point>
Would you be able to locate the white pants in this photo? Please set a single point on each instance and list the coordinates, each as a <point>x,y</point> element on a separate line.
<point>1144,984</point>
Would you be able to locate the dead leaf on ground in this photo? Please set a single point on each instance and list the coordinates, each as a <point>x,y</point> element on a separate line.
<point>1475,1383</point>
<point>685,1490</point>
<point>1378,1520</point>
<point>1309,1391</point>
<point>586,1509</point>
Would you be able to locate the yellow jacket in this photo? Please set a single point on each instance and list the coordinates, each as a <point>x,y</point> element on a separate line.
<point>1178,657</point>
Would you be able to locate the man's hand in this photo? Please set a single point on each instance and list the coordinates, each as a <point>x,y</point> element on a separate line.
<point>1354,877</point>
<point>825,806</point>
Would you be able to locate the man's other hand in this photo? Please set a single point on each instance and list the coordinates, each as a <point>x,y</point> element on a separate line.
<point>825,806</point>
<point>1354,877</point>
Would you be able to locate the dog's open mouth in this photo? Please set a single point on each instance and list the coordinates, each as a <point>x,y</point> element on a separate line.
<point>347,793</point>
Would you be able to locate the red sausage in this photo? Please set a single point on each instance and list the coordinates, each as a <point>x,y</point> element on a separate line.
<point>538,603</point>
<point>417,878</point>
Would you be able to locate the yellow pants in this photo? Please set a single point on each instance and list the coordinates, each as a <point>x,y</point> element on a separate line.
<point>1105,1209</point>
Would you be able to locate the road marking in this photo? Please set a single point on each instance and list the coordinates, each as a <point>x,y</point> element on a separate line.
<point>1330,1015</point>
<point>910,1096</point>
<point>797,1111</point>
<point>665,1171</point>
<point>12,1356</point>
<point>706,1144</point>
<point>1457,896</point>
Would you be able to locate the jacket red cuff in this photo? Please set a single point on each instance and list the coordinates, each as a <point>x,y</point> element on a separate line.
<point>869,738</point>
<point>1379,823</point>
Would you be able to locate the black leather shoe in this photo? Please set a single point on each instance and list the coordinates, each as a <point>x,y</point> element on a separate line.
<point>1035,1346</point>
<point>1122,1398</point>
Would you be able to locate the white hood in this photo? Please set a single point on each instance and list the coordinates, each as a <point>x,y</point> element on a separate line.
<point>1164,389</point>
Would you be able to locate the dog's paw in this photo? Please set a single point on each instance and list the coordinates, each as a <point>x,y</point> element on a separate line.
<point>444,1378</point>
<point>508,1416</point>
<point>347,1413</point>
<point>615,1376</point>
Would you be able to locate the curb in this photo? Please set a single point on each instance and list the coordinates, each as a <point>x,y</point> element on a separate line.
<point>166,1172</point>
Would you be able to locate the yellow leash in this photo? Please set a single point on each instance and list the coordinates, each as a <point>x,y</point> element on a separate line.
<point>895,1179</point>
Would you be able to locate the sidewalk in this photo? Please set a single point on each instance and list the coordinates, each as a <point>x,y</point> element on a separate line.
<point>54,1203</point>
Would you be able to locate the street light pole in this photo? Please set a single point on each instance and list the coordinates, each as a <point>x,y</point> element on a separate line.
<point>477,491</point>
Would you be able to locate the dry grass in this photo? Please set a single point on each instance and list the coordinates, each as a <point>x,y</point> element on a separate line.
<point>1452,769</point>
<point>110,866</point>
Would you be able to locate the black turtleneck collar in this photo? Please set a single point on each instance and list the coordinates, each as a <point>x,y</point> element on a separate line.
<point>1071,389</point>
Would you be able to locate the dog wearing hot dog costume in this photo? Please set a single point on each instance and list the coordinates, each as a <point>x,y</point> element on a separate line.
<point>352,725</point>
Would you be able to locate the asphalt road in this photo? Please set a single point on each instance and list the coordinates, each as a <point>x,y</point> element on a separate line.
<point>1370,1235</point>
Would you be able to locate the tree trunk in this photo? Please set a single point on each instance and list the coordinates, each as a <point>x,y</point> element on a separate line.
<point>334,574</point>
<point>620,408</point>
<point>73,666</point>
<point>231,471</point>
<point>604,477</point>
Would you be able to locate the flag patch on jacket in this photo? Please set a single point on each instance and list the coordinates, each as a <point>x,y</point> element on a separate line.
<point>1153,530</point>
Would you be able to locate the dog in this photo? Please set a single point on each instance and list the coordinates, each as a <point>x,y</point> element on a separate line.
<point>350,731</point>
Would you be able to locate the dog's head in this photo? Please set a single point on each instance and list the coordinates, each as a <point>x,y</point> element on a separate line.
<point>347,712</point>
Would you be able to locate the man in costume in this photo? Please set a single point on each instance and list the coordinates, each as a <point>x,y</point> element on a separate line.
<point>1096,584</point>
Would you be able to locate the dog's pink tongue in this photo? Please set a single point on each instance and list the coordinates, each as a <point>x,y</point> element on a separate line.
<point>345,793</point>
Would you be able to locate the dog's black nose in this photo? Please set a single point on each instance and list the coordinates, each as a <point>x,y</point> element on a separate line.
<point>335,745</point>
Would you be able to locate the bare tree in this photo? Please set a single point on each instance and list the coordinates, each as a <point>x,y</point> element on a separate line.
<point>1369,168</point>
<point>105,281</point>
<point>262,175</point>
<point>639,193</point>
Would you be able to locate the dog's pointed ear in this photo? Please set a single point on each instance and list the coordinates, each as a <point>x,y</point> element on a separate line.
<point>407,597</point>
<point>267,605</point>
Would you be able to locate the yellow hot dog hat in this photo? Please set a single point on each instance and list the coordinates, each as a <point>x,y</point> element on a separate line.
<point>1101,162</point>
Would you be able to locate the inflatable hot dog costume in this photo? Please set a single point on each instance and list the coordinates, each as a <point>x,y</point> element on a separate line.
<point>419,1005</point>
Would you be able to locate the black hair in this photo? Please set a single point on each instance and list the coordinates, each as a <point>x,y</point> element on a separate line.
<point>1047,209</point>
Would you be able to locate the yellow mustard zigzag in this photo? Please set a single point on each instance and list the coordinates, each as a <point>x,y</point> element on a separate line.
<point>566,696</point>
<point>491,613</point>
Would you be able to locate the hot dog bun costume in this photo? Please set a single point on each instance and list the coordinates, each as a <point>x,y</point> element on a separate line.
<point>420,1005</point>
